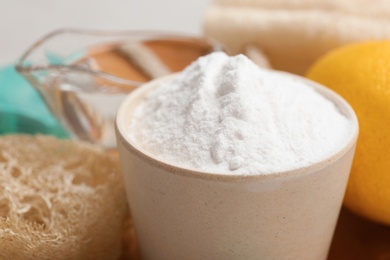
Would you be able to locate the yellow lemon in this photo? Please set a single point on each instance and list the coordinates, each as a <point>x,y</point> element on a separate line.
<point>361,74</point>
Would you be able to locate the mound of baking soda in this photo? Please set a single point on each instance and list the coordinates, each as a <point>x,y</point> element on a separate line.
<point>226,115</point>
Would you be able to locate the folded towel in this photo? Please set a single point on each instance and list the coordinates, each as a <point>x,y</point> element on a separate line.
<point>22,109</point>
<point>293,33</point>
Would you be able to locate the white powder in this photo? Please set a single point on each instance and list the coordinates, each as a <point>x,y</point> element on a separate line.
<point>226,115</point>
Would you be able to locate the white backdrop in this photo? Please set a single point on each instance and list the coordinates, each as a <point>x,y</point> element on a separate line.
<point>24,21</point>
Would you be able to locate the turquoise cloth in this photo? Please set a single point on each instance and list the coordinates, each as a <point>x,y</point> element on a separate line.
<point>22,109</point>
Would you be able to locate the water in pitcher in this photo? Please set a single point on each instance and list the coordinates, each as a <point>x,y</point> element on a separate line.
<point>84,87</point>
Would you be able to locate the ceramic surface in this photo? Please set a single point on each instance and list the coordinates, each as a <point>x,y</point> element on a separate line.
<point>182,213</point>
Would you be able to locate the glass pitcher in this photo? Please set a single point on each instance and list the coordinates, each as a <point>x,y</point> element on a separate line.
<point>83,75</point>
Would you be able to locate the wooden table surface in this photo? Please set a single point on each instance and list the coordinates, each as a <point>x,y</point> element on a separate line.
<point>358,239</point>
<point>355,239</point>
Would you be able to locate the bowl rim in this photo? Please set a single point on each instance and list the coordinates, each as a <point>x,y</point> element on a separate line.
<point>124,141</point>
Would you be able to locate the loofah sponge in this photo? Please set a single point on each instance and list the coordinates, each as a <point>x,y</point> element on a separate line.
<point>59,200</point>
<point>294,33</point>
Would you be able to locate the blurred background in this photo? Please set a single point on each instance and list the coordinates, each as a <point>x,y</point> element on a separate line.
<point>24,21</point>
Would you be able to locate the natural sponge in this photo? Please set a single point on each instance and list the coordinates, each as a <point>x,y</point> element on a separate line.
<point>59,199</point>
